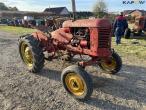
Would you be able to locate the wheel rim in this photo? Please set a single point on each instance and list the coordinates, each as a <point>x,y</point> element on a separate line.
<point>26,54</point>
<point>109,64</point>
<point>75,84</point>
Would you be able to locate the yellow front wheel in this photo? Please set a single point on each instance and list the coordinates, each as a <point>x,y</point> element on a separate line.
<point>112,65</point>
<point>77,82</point>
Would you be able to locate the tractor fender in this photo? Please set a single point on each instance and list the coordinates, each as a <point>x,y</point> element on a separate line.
<point>45,41</point>
<point>40,36</point>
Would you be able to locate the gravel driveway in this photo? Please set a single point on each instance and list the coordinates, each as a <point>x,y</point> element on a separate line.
<point>21,90</point>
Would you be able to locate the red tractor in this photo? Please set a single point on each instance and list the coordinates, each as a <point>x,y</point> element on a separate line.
<point>140,24</point>
<point>137,27</point>
<point>90,37</point>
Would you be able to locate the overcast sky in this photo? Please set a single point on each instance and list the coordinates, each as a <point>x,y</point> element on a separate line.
<point>82,5</point>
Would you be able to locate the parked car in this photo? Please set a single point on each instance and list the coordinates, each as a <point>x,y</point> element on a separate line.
<point>3,21</point>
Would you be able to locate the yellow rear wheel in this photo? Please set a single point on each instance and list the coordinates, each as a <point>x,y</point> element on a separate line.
<point>26,54</point>
<point>31,53</point>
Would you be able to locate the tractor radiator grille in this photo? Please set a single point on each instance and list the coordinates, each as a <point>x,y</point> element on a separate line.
<point>104,38</point>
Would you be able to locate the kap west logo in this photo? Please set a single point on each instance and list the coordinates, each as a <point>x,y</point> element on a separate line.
<point>134,2</point>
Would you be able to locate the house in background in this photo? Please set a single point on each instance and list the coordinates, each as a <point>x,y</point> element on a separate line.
<point>135,13</point>
<point>58,11</point>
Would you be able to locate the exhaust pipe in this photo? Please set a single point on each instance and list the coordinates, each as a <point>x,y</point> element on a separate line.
<point>74,9</point>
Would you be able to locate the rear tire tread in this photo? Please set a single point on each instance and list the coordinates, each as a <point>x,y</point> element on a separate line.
<point>37,52</point>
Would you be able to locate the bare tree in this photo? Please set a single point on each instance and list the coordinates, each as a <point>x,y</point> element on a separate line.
<point>100,8</point>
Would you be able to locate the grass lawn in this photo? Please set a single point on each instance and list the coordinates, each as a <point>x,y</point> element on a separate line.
<point>135,46</point>
<point>16,30</point>
<point>131,47</point>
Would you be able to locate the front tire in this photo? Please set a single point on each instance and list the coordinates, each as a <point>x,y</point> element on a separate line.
<point>77,82</point>
<point>31,53</point>
<point>112,65</point>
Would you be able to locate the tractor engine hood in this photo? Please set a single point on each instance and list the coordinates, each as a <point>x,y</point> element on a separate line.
<point>88,23</point>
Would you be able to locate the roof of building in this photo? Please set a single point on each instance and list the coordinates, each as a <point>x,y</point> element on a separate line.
<point>56,10</point>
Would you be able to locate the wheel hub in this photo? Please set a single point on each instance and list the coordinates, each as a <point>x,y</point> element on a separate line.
<point>110,64</point>
<point>75,84</point>
<point>26,54</point>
